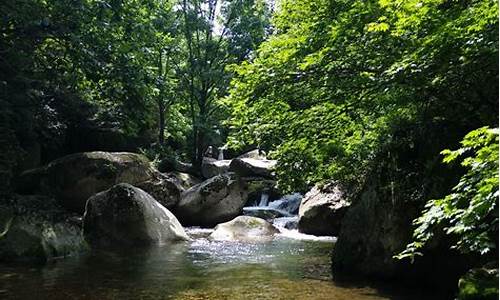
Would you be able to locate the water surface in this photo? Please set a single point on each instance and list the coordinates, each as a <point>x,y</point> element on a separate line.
<point>285,268</point>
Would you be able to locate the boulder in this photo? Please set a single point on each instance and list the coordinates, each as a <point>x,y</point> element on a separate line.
<point>322,209</point>
<point>216,200</point>
<point>170,164</point>
<point>244,228</point>
<point>185,180</point>
<point>163,189</point>
<point>378,226</point>
<point>126,215</point>
<point>286,222</point>
<point>211,167</point>
<point>266,213</point>
<point>36,228</point>
<point>257,186</point>
<point>255,154</point>
<point>184,167</point>
<point>252,167</point>
<point>74,178</point>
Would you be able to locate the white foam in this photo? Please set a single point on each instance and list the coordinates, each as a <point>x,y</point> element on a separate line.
<point>295,234</point>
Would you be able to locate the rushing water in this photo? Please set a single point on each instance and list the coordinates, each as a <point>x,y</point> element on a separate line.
<point>284,268</point>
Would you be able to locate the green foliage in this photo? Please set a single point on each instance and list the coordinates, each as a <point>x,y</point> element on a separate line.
<point>470,212</point>
<point>208,42</point>
<point>334,82</point>
<point>59,55</point>
<point>478,284</point>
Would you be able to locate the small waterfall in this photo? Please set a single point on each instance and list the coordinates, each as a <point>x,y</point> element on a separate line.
<point>221,154</point>
<point>289,203</point>
<point>264,199</point>
<point>282,213</point>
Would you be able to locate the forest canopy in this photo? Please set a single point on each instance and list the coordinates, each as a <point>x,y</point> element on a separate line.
<point>342,81</point>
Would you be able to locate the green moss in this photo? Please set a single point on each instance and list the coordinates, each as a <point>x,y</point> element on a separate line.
<point>254,223</point>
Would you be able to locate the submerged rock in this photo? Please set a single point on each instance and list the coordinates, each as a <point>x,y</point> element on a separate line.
<point>244,228</point>
<point>126,215</point>
<point>74,178</point>
<point>36,228</point>
<point>322,210</point>
<point>252,167</point>
<point>216,200</point>
<point>286,222</point>
<point>211,167</point>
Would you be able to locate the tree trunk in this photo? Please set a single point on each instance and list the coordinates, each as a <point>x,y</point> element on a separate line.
<point>194,147</point>
<point>161,123</point>
<point>199,146</point>
<point>201,131</point>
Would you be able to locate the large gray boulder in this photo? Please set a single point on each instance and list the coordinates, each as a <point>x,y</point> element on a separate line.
<point>244,228</point>
<point>164,189</point>
<point>74,178</point>
<point>173,165</point>
<point>252,167</point>
<point>36,228</point>
<point>126,215</point>
<point>216,200</point>
<point>185,180</point>
<point>322,210</point>
<point>379,225</point>
<point>211,167</point>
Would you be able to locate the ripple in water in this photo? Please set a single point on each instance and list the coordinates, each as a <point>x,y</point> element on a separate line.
<point>284,268</point>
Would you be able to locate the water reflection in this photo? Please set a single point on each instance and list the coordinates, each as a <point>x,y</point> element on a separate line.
<point>201,269</point>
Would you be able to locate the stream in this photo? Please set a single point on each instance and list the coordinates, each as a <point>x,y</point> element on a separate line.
<point>285,268</point>
<point>290,266</point>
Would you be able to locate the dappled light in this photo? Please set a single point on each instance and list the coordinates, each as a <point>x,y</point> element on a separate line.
<point>249,149</point>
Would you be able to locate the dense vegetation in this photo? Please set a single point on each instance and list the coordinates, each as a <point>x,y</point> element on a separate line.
<point>343,80</point>
<point>146,71</point>
<point>333,89</point>
<point>346,88</point>
<point>471,210</point>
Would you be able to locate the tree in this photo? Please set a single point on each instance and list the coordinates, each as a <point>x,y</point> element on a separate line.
<point>341,84</point>
<point>212,35</point>
<point>470,213</point>
<point>68,64</point>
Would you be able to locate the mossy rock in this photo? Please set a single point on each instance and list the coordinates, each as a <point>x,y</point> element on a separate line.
<point>35,228</point>
<point>479,284</point>
<point>127,215</point>
<point>245,228</point>
<point>74,178</point>
<point>216,200</point>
